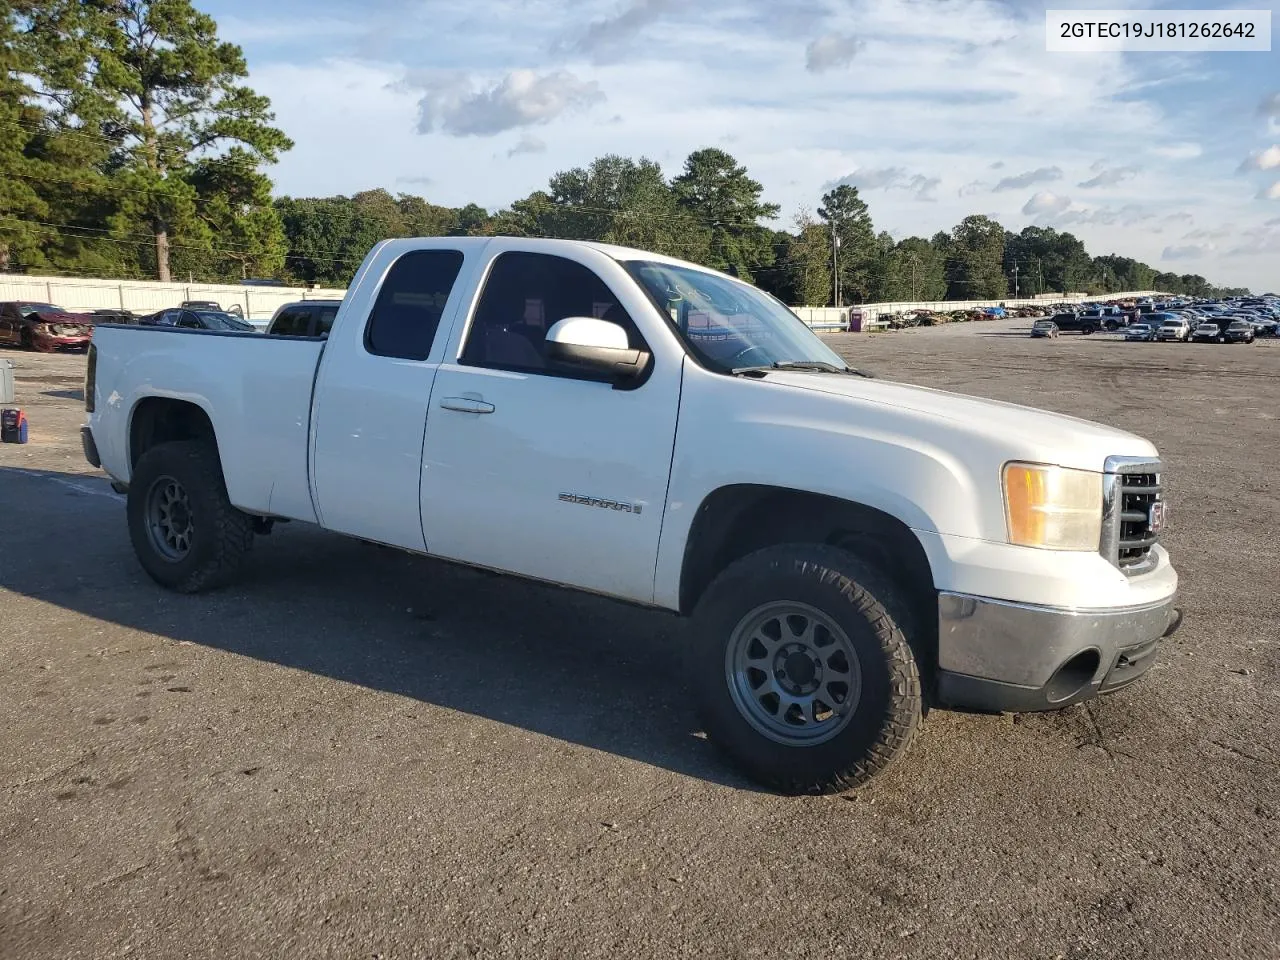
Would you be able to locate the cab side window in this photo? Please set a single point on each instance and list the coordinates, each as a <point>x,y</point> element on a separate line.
<point>523,297</point>
<point>407,313</point>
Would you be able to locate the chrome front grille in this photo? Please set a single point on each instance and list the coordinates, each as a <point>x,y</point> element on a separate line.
<point>1133,512</point>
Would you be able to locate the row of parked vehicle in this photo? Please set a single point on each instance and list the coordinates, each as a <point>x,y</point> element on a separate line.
<point>1235,320</point>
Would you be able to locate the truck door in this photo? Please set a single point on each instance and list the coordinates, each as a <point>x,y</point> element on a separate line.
<point>371,396</point>
<point>540,470</point>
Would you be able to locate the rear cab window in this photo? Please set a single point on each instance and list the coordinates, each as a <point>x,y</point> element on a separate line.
<point>409,306</point>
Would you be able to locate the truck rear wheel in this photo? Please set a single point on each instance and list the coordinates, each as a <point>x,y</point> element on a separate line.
<point>187,535</point>
<point>804,675</point>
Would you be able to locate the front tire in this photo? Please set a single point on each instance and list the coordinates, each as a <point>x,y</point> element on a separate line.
<point>187,535</point>
<point>804,675</point>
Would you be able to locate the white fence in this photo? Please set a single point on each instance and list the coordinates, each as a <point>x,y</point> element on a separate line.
<point>142,296</point>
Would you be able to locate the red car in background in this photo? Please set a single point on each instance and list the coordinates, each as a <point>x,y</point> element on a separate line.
<point>44,327</point>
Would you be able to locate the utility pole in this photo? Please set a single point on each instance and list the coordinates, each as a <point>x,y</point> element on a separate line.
<point>1015,279</point>
<point>835,263</point>
<point>914,296</point>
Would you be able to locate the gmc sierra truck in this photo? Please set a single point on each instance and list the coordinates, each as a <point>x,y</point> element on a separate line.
<point>846,549</point>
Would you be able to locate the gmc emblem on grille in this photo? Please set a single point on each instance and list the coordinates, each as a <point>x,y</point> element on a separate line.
<point>1156,516</point>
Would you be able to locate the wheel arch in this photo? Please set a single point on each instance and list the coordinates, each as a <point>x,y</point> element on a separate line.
<point>155,420</point>
<point>736,520</point>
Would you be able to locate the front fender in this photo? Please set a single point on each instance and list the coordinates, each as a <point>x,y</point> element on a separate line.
<point>897,461</point>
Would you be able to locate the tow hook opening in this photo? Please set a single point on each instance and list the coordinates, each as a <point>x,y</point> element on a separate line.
<point>1073,676</point>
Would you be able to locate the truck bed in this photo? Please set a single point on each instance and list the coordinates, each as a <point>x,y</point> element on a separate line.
<point>255,389</point>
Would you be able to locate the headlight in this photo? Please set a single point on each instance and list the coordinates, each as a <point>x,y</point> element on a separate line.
<point>1054,508</point>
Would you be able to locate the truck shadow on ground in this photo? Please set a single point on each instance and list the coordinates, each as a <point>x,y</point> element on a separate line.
<point>581,669</point>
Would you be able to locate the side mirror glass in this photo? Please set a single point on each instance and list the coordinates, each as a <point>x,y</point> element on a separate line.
<point>595,345</point>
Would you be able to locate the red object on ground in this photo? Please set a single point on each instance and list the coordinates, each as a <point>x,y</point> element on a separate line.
<point>13,426</point>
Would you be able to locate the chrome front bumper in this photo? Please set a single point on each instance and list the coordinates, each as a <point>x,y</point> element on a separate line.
<point>997,655</point>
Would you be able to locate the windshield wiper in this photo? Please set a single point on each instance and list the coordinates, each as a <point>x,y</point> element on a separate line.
<point>817,366</point>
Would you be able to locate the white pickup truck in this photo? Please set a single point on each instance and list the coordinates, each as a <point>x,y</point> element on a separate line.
<point>620,422</point>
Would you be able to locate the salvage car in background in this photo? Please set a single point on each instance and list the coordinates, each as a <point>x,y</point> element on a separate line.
<point>44,326</point>
<point>1140,331</point>
<point>1044,328</point>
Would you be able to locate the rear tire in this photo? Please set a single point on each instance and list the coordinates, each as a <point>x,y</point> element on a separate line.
<point>187,535</point>
<point>804,675</point>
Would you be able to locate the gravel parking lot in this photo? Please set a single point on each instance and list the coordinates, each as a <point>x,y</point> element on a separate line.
<point>357,753</point>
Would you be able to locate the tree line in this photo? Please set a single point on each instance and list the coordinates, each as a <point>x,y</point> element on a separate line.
<point>130,147</point>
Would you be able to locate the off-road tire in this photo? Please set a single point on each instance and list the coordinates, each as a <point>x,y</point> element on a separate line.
<point>222,535</point>
<point>871,611</point>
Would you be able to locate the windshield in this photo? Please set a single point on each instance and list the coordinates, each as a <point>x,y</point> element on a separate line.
<point>729,324</point>
<point>29,309</point>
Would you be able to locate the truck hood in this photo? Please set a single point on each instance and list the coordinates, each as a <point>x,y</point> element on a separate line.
<point>1028,433</point>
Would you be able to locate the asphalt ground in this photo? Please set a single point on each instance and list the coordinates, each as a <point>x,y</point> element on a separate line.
<point>358,753</point>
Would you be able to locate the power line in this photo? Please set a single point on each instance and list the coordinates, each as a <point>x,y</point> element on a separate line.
<point>108,237</point>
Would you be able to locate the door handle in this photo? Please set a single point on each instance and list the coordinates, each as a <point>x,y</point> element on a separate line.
<point>466,405</point>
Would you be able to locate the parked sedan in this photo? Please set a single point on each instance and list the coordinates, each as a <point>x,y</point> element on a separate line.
<point>1044,328</point>
<point>1239,331</point>
<point>1140,331</point>
<point>44,326</point>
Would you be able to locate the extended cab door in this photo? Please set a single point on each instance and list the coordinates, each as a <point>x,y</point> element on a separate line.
<point>372,392</point>
<point>536,469</point>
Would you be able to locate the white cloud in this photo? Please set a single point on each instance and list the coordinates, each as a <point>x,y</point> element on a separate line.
<point>1270,193</point>
<point>1267,159</point>
<point>1108,176</point>
<point>998,165</point>
<point>1206,233</point>
<point>528,144</point>
<point>1046,203</point>
<point>1128,215</point>
<point>1030,178</point>
<point>1191,251</point>
<point>890,178</point>
<point>608,34</point>
<point>1270,106</point>
<point>830,51</point>
<point>522,98</point>
<point>1178,151</point>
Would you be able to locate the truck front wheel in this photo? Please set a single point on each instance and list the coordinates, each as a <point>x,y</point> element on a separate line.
<point>805,677</point>
<point>185,531</point>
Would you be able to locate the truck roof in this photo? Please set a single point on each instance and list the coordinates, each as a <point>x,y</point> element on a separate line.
<point>547,245</point>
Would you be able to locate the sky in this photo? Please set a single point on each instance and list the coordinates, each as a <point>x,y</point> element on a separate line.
<point>934,109</point>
